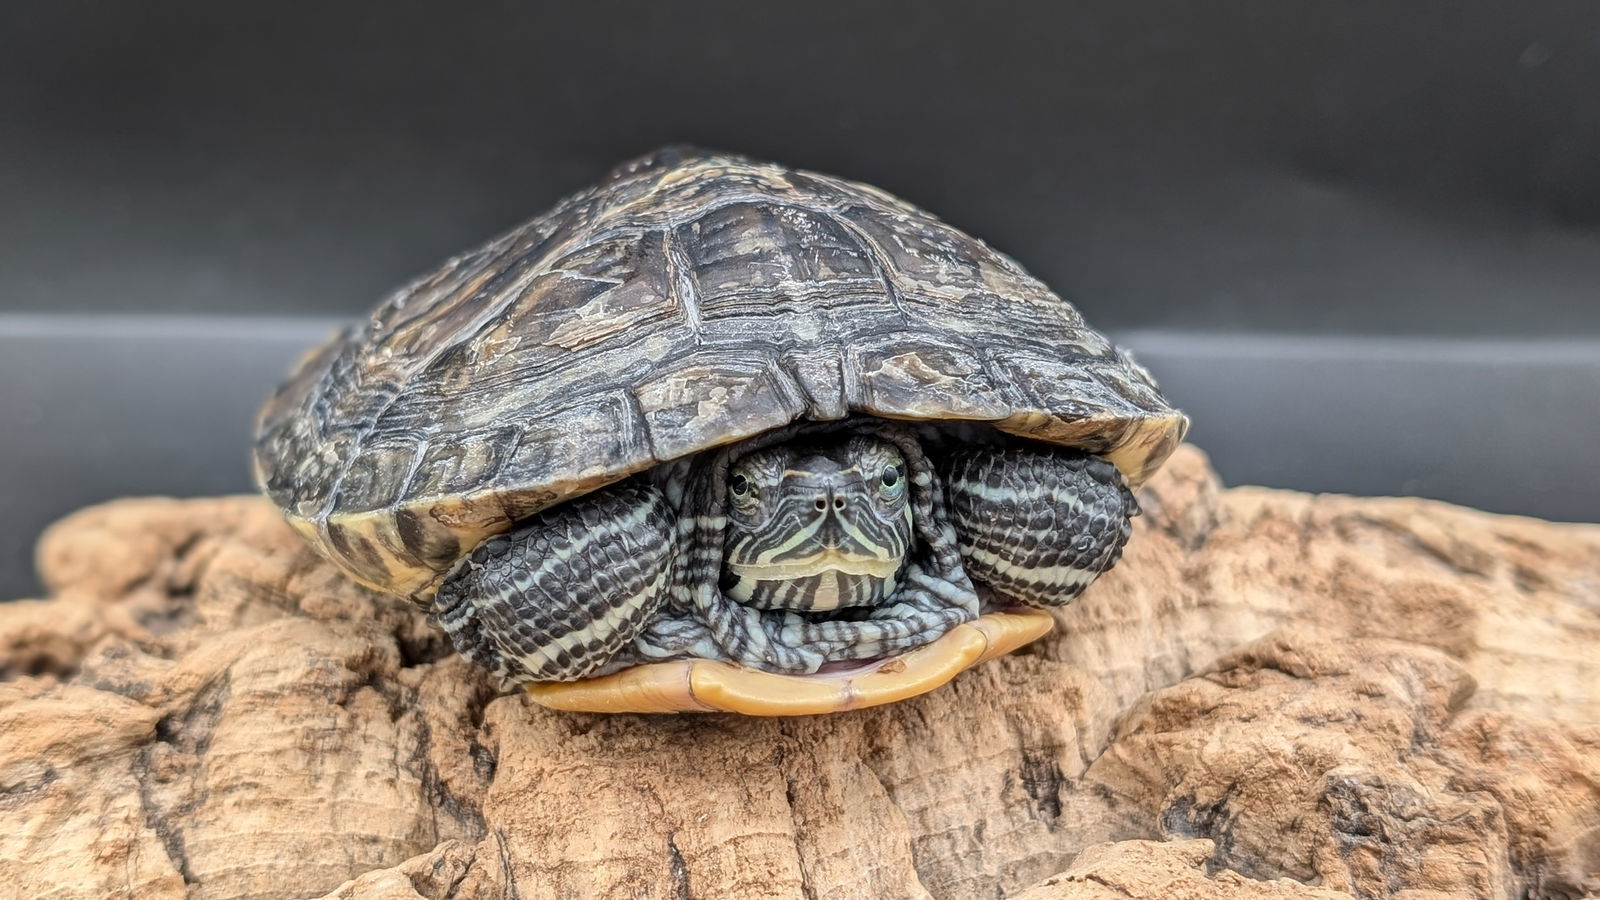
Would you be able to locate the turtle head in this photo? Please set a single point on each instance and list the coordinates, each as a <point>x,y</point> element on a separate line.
<point>817,525</point>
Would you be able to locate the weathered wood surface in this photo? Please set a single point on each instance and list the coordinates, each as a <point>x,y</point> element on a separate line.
<point>1274,695</point>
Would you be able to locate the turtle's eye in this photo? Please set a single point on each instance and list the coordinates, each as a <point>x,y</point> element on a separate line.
<point>893,480</point>
<point>739,486</point>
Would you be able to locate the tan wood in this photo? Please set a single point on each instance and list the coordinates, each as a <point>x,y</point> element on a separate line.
<point>1273,695</point>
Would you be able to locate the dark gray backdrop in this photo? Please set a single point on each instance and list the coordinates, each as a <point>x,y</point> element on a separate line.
<point>1358,241</point>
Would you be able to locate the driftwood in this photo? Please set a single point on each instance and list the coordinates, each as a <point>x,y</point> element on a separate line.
<point>1274,695</point>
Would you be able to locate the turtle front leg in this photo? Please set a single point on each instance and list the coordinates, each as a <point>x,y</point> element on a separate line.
<point>559,596</point>
<point>1036,526</point>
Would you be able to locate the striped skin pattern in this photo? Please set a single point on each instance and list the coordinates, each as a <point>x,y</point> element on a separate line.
<point>934,595</point>
<point>595,585</point>
<point>1037,526</point>
<point>563,594</point>
<point>606,582</point>
<point>616,578</point>
<point>817,527</point>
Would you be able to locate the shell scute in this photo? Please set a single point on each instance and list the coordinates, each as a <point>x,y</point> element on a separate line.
<point>762,247</point>
<point>731,396</point>
<point>917,380</point>
<point>586,442</point>
<point>463,463</point>
<point>370,478</point>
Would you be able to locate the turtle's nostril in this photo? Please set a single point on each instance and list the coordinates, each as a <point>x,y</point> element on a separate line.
<point>838,503</point>
<point>820,503</point>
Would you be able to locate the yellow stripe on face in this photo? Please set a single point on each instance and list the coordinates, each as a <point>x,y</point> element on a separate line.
<point>799,537</point>
<point>854,532</point>
<point>828,560</point>
<point>827,595</point>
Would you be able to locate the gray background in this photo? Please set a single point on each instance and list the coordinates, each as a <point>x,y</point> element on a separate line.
<point>1359,242</point>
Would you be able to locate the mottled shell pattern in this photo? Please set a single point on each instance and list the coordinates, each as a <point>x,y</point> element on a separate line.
<point>687,301</point>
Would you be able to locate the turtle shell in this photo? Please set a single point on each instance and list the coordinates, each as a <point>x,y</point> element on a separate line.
<point>688,300</point>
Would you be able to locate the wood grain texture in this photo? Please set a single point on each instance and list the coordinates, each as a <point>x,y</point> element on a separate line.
<point>1273,692</point>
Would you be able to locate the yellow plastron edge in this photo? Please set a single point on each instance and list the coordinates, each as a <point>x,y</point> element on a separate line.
<point>703,685</point>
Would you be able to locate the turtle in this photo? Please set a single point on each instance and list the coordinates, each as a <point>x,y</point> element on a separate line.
<point>721,434</point>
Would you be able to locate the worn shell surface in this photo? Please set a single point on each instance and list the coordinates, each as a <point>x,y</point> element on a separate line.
<point>687,301</point>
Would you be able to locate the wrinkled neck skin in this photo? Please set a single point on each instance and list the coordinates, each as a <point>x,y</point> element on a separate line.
<point>808,546</point>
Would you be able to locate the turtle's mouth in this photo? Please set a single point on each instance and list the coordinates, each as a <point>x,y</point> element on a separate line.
<point>829,560</point>
<point>823,582</point>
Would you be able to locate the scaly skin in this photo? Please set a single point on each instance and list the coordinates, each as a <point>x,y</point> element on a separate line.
<point>618,577</point>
